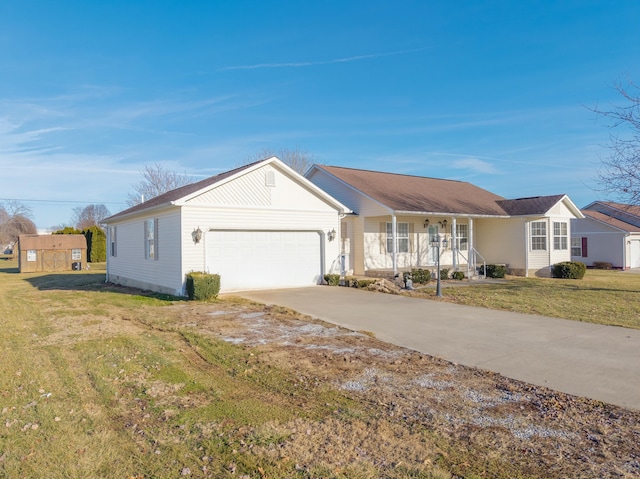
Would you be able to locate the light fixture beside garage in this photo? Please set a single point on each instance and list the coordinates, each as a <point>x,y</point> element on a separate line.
<point>331,235</point>
<point>196,235</point>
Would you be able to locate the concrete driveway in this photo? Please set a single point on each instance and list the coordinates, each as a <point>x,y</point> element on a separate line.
<point>599,362</point>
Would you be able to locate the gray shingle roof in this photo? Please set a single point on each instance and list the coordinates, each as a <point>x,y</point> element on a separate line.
<point>178,193</point>
<point>536,205</point>
<point>419,194</point>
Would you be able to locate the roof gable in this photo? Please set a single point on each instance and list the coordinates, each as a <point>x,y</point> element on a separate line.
<point>536,205</point>
<point>627,216</point>
<point>418,194</point>
<point>182,195</point>
<point>611,221</point>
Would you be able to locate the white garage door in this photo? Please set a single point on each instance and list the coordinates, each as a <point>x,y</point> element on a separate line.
<point>634,254</point>
<point>264,259</point>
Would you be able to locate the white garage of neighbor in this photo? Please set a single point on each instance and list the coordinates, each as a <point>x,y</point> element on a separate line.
<point>259,226</point>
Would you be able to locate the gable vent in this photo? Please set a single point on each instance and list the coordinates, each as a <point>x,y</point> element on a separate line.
<point>270,178</point>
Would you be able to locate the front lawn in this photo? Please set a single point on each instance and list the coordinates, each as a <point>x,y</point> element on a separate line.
<point>603,297</point>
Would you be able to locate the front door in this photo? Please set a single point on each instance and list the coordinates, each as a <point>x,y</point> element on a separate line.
<point>434,235</point>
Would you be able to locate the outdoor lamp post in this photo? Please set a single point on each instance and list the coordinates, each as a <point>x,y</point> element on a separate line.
<point>435,242</point>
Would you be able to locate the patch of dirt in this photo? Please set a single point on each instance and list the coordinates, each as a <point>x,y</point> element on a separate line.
<point>540,431</point>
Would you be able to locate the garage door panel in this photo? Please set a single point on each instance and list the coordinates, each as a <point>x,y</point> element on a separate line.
<point>264,259</point>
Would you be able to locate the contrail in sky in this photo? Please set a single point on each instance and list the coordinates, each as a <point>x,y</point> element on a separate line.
<point>324,62</point>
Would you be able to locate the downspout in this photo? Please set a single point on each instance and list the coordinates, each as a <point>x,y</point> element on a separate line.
<point>454,243</point>
<point>394,243</point>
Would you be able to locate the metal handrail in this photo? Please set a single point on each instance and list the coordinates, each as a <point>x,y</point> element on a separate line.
<point>474,253</point>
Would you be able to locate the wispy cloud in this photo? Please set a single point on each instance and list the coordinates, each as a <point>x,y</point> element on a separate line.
<point>320,62</point>
<point>476,165</point>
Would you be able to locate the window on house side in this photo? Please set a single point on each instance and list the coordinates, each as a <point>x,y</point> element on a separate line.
<point>31,255</point>
<point>576,246</point>
<point>462,237</point>
<point>538,236</point>
<point>151,239</point>
<point>76,254</point>
<point>403,237</point>
<point>113,238</point>
<point>560,235</point>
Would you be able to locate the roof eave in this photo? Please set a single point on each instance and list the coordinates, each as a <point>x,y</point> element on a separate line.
<point>118,217</point>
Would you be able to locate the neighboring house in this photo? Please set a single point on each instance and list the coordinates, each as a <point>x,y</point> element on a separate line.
<point>397,218</point>
<point>608,233</point>
<point>51,253</point>
<point>259,226</point>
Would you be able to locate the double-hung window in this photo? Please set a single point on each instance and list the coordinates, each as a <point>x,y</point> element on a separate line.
<point>560,241</point>
<point>538,236</point>
<point>76,254</point>
<point>113,238</point>
<point>462,237</point>
<point>151,239</point>
<point>576,246</point>
<point>402,233</point>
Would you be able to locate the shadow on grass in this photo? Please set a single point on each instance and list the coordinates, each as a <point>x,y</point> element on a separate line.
<point>90,282</point>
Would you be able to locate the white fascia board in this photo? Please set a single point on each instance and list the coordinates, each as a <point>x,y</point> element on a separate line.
<point>572,206</point>
<point>457,215</point>
<point>145,212</point>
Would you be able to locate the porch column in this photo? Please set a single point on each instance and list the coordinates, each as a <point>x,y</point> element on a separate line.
<point>454,246</point>
<point>394,243</point>
<point>471,253</point>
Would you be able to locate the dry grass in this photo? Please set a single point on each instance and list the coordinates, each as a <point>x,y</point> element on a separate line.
<point>603,297</point>
<point>99,381</point>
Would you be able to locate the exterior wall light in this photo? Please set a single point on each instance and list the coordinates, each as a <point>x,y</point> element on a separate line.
<point>197,235</point>
<point>331,235</point>
<point>426,223</point>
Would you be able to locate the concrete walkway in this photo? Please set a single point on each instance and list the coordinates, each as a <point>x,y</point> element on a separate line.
<point>590,360</point>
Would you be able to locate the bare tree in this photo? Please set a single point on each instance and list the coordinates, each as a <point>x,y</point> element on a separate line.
<point>619,174</point>
<point>156,180</point>
<point>299,160</point>
<point>15,220</point>
<point>90,215</point>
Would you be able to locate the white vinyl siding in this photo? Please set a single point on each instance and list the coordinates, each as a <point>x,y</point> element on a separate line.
<point>130,268</point>
<point>538,236</point>
<point>560,238</point>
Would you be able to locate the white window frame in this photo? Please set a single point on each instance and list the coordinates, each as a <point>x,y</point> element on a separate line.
<point>538,234</point>
<point>151,239</point>
<point>462,237</point>
<point>32,255</point>
<point>113,238</point>
<point>402,233</point>
<point>576,246</point>
<point>76,254</point>
<point>560,235</point>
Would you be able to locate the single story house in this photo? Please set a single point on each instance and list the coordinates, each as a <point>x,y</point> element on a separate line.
<point>51,252</point>
<point>608,233</point>
<point>259,226</point>
<point>401,222</point>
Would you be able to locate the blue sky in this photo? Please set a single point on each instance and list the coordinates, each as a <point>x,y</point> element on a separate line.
<point>493,92</point>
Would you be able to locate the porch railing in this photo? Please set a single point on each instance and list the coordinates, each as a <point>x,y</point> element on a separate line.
<point>472,262</point>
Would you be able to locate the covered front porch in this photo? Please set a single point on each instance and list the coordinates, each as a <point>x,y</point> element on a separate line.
<point>383,246</point>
